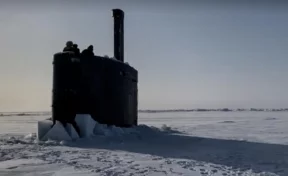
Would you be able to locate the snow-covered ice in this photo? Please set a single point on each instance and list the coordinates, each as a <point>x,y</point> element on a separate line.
<point>86,124</point>
<point>71,131</point>
<point>57,132</point>
<point>43,127</point>
<point>187,144</point>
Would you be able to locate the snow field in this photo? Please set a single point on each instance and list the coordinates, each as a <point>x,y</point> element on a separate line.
<point>194,144</point>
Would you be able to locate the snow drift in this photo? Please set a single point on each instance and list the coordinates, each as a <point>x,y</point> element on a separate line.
<point>90,128</point>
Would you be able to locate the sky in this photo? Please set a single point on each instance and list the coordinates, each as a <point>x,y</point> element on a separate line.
<point>188,54</point>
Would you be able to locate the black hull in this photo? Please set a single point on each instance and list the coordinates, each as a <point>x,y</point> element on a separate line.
<point>102,87</point>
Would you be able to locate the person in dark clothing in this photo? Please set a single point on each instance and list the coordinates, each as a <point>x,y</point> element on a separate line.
<point>69,46</point>
<point>76,50</point>
<point>88,52</point>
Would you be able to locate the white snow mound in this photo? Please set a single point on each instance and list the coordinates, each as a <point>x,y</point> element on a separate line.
<point>30,136</point>
<point>89,127</point>
<point>104,130</point>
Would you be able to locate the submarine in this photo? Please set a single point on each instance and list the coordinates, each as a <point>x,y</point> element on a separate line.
<point>105,88</point>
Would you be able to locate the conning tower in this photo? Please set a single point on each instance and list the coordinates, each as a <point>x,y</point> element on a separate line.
<point>105,88</point>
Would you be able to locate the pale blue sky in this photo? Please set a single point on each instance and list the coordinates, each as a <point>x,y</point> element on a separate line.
<point>188,55</point>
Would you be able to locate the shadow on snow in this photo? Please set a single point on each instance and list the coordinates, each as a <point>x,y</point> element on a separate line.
<point>260,157</point>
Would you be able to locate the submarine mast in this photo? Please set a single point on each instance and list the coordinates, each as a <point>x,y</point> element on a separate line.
<point>118,15</point>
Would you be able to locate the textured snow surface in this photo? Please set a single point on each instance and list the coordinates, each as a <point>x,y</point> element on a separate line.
<point>187,144</point>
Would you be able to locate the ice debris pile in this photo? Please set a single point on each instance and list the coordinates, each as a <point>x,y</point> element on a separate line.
<point>46,130</point>
<point>89,128</point>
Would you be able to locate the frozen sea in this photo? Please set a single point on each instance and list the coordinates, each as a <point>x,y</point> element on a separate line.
<point>174,143</point>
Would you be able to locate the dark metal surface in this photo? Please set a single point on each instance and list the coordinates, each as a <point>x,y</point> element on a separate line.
<point>105,88</point>
<point>102,87</point>
<point>118,15</point>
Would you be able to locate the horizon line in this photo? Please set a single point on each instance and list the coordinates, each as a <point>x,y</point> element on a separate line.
<point>177,109</point>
